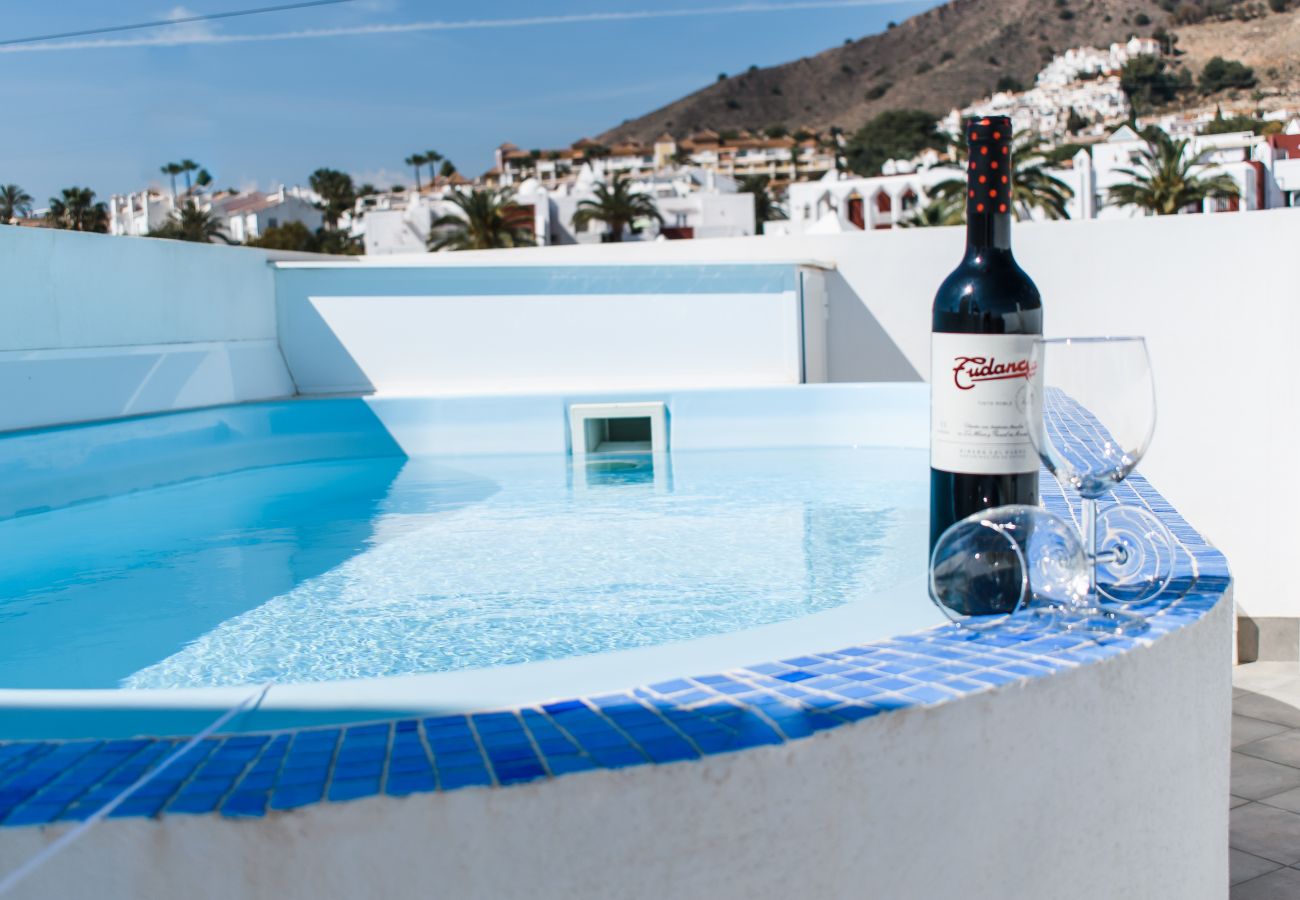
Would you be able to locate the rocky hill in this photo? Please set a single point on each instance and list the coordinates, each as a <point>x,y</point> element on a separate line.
<point>955,53</point>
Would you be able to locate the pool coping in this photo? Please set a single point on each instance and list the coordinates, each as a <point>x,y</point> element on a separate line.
<point>677,720</point>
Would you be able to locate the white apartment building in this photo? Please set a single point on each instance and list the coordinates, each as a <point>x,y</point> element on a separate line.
<point>1083,79</point>
<point>742,153</point>
<point>243,216</point>
<point>694,203</point>
<point>832,205</point>
<point>1265,168</point>
<point>247,216</point>
<point>139,213</point>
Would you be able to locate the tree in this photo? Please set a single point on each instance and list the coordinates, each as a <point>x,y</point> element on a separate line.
<point>289,236</point>
<point>1032,186</point>
<point>1074,123</point>
<point>944,208</point>
<point>297,236</point>
<point>485,219</point>
<point>336,192</point>
<point>171,170</point>
<point>448,169</point>
<point>1163,181</point>
<point>1148,83</point>
<point>14,202</point>
<point>432,158</point>
<point>416,160</point>
<point>895,134</point>
<point>203,178</point>
<point>76,210</point>
<point>766,209</point>
<point>190,223</point>
<point>618,206</point>
<point>1222,74</point>
<point>338,243</point>
<point>187,166</point>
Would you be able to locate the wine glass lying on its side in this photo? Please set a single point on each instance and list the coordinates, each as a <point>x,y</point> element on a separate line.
<point>1008,567</point>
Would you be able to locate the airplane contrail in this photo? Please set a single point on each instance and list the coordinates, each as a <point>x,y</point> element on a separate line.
<point>190,37</point>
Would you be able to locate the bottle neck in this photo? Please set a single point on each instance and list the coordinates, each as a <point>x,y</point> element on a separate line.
<point>988,198</point>
<point>987,231</point>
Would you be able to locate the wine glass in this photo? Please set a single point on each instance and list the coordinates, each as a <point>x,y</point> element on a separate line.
<point>1092,415</point>
<point>1011,567</point>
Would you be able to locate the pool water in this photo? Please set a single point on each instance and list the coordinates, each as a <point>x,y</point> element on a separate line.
<point>388,566</point>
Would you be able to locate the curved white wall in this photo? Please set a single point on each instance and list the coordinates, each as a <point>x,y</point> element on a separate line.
<point>1108,780</point>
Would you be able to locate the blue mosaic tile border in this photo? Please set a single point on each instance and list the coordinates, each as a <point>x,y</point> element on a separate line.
<point>250,775</point>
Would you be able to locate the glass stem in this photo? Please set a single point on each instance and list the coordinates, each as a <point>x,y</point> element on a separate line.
<point>1090,543</point>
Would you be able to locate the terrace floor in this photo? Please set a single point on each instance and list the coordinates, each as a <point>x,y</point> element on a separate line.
<point>1265,820</point>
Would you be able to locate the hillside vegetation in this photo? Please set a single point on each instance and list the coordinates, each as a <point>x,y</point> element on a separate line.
<point>966,49</point>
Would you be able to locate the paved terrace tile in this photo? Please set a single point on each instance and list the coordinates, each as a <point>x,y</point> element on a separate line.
<point>1264,834</point>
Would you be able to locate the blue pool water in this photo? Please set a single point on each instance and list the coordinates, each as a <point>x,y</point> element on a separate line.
<point>373,567</point>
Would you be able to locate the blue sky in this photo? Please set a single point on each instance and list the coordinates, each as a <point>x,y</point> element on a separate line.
<point>107,112</point>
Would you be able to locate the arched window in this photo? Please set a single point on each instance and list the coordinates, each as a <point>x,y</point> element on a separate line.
<point>856,214</point>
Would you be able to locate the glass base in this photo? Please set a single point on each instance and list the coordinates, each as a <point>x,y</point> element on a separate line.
<point>1101,620</point>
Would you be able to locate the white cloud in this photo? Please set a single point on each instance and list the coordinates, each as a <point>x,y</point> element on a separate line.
<point>172,36</point>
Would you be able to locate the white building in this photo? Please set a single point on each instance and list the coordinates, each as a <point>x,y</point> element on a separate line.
<point>1083,79</point>
<point>694,203</point>
<point>243,216</point>
<point>139,213</point>
<point>781,158</point>
<point>247,216</point>
<point>832,205</point>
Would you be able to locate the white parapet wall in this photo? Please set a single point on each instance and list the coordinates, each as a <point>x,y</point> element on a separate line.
<point>424,325</point>
<point>98,327</point>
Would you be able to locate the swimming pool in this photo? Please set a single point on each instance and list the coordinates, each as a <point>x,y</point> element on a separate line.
<point>362,563</point>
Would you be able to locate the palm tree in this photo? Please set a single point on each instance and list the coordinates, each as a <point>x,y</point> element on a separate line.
<point>617,206</point>
<point>171,170</point>
<point>14,202</point>
<point>1163,181</point>
<point>190,223</point>
<point>432,157</point>
<point>944,208</point>
<point>77,210</point>
<point>765,206</point>
<point>484,220</point>
<point>416,160</point>
<point>187,166</point>
<point>337,193</point>
<point>1032,186</point>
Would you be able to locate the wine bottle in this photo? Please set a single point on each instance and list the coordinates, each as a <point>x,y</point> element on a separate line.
<point>984,321</point>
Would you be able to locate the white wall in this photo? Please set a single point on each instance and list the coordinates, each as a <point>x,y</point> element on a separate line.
<point>1218,298</point>
<point>1108,780</point>
<point>343,331</point>
<point>98,326</point>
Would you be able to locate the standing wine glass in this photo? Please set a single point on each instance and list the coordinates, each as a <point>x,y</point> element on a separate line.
<point>1092,408</point>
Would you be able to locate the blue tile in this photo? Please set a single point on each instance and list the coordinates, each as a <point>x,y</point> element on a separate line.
<point>290,796</point>
<point>194,803</point>
<point>449,779</point>
<point>245,803</point>
<point>34,814</point>
<point>795,676</point>
<point>353,788</point>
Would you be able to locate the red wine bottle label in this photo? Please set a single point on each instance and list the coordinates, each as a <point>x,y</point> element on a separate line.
<point>979,404</point>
